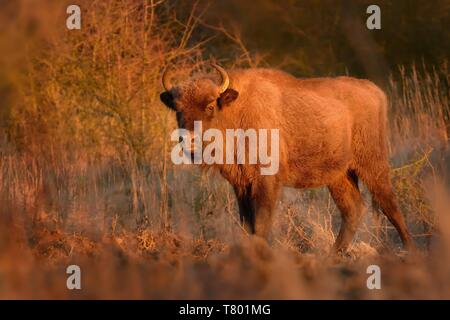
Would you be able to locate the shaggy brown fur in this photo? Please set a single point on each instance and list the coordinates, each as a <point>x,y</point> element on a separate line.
<point>332,132</point>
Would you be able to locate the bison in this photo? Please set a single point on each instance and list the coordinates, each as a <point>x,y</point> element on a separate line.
<point>332,132</point>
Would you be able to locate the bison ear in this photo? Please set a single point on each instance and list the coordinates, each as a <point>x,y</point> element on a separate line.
<point>167,98</point>
<point>227,97</point>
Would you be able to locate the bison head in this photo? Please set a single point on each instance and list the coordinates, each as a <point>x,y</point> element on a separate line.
<point>197,99</point>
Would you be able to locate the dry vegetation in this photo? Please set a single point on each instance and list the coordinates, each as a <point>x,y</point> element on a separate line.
<point>86,178</point>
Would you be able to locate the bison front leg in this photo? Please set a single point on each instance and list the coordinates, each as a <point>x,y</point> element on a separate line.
<point>246,210</point>
<point>257,204</point>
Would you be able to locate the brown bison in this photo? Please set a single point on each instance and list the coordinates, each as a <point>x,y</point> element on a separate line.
<point>332,132</point>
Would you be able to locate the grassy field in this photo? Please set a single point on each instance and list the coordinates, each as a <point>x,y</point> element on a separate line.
<point>86,176</point>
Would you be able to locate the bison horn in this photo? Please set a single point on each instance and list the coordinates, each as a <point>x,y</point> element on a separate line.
<point>166,80</point>
<point>224,75</point>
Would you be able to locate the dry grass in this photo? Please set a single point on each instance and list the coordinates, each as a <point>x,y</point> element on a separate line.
<point>85,177</point>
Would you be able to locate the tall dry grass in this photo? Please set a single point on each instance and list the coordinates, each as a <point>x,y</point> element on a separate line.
<point>85,176</point>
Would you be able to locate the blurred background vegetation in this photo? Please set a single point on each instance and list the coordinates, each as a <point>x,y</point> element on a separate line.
<point>317,38</point>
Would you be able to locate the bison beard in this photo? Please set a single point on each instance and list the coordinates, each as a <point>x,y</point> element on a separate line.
<point>332,133</point>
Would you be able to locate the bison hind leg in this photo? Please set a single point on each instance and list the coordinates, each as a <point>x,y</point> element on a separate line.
<point>346,195</point>
<point>379,185</point>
